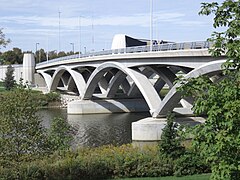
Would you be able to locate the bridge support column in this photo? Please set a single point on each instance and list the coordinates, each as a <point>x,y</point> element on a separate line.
<point>150,129</point>
<point>107,106</point>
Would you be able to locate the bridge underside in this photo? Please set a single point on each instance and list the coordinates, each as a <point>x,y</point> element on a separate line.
<point>152,86</point>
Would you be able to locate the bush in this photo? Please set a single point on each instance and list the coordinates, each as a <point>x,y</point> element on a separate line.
<point>190,163</point>
<point>96,163</point>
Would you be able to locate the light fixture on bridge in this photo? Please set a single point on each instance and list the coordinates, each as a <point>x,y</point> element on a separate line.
<point>151,24</point>
<point>36,51</point>
<point>72,47</point>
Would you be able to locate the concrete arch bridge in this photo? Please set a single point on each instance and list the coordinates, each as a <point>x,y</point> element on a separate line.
<point>129,79</point>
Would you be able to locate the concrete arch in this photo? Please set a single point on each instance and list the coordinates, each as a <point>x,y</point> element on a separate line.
<point>134,91</point>
<point>77,78</point>
<point>174,96</point>
<point>47,77</point>
<point>115,83</point>
<point>146,88</point>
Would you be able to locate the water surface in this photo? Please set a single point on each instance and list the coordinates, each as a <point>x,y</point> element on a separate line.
<point>97,129</point>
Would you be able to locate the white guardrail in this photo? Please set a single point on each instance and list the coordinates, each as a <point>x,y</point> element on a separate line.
<point>137,49</point>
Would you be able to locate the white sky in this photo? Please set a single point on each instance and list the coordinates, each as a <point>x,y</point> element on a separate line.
<point>27,22</point>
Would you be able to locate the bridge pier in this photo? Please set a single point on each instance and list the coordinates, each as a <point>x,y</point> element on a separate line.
<point>101,106</point>
<point>150,129</point>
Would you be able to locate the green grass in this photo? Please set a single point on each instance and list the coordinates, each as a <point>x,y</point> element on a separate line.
<point>194,177</point>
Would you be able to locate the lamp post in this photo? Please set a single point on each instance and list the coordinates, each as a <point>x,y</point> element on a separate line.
<point>151,24</point>
<point>36,50</point>
<point>59,35</point>
<point>85,51</point>
<point>72,47</point>
<point>79,24</point>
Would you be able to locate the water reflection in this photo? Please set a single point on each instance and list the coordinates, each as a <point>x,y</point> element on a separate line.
<point>97,129</point>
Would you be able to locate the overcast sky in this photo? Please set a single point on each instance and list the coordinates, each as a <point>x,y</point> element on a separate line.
<point>93,23</point>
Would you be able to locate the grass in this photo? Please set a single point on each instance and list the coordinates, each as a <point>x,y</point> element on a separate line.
<point>194,177</point>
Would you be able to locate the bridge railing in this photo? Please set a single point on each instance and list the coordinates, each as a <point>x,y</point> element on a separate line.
<point>138,49</point>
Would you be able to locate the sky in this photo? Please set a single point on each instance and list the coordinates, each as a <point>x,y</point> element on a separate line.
<point>91,24</point>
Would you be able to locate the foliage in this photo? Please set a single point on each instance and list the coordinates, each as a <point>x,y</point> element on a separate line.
<point>9,81</point>
<point>22,137</point>
<point>190,163</point>
<point>98,163</point>
<point>52,96</point>
<point>44,99</point>
<point>60,135</point>
<point>227,41</point>
<point>170,143</point>
<point>14,56</point>
<point>3,40</point>
<point>218,139</point>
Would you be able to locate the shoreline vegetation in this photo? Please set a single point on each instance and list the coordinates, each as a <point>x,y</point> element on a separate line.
<point>105,162</point>
<point>48,100</point>
<point>53,158</point>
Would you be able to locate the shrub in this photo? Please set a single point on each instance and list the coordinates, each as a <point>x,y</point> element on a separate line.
<point>190,163</point>
<point>170,144</point>
<point>96,163</point>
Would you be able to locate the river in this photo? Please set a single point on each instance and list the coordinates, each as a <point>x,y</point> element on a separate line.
<point>94,130</point>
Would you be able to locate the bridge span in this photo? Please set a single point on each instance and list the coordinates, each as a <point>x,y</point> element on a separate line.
<point>129,79</point>
<point>126,80</point>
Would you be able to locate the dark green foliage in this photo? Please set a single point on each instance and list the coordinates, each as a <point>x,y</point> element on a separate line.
<point>44,99</point>
<point>52,96</point>
<point>98,163</point>
<point>190,163</point>
<point>218,139</point>
<point>60,135</point>
<point>22,137</point>
<point>9,81</point>
<point>170,143</point>
<point>14,56</point>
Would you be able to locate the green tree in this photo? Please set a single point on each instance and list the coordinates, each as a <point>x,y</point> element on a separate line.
<point>22,136</point>
<point>218,139</point>
<point>170,144</point>
<point>14,56</point>
<point>60,135</point>
<point>3,40</point>
<point>9,81</point>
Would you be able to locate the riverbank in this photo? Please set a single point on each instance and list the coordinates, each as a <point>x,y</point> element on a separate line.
<point>107,162</point>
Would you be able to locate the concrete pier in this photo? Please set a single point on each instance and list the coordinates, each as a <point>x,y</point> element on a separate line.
<point>107,106</point>
<point>150,129</point>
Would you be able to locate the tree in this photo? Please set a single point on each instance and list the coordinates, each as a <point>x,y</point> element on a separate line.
<point>3,41</point>
<point>218,139</point>
<point>22,136</point>
<point>9,81</point>
<point>170,144</point>
<point>60,135</point>
<point>14,56</point>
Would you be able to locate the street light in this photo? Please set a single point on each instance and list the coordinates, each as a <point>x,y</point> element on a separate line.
<point>36,50</point>
<point>151,24</point>
<point>59,35</point>
<point>36,46</point>
<point>72,47</point>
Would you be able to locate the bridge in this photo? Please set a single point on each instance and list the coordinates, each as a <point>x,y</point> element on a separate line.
<point>129,79</point>
<point>130,76</point>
